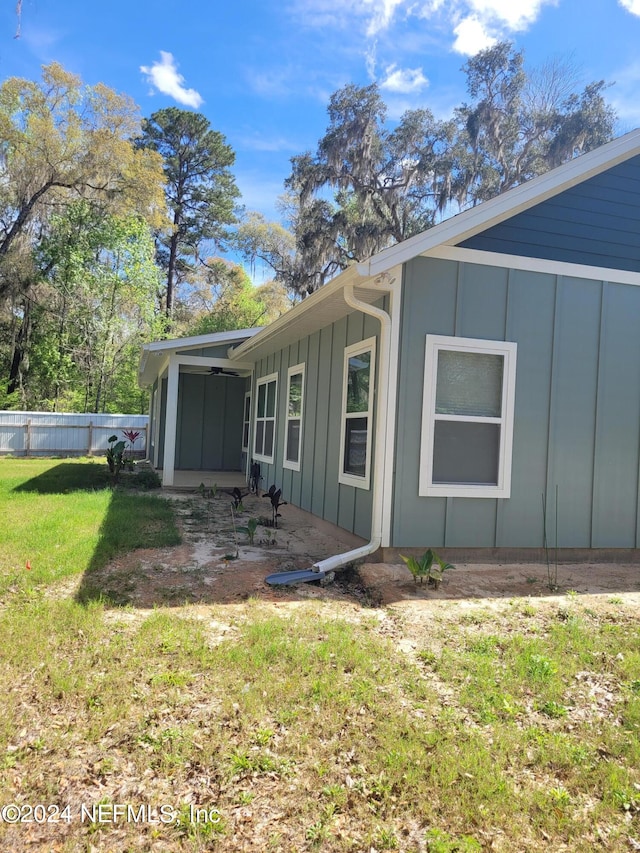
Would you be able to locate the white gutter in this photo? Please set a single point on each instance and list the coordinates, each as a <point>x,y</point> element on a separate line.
<point>339,560</point>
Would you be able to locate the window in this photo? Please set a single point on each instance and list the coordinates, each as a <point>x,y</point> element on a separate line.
<point>293,431</point>
<point>357,414</point>
<point>467,418</point>
<point>246,422</point>
<point>263,448</point>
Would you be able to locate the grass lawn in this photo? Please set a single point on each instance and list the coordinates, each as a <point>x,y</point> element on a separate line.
<point>317,726</point>
<point>60,517</point>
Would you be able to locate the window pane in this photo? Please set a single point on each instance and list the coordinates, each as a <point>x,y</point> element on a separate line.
<point>271,399</point>
<point>259,436</point>
<point>268,438</point>
<point>293,441</point>
<point>355,446</point>
<point>247,407</point>
<point>358,382</point>
<point>262,394</point>
<point>295,395</point>
<point>466,452</point>
<point>469,383</point>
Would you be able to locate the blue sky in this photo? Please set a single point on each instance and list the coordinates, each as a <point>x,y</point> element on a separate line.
<point>262,72</point>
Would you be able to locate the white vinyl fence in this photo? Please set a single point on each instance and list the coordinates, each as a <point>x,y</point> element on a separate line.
<point>55,434</point>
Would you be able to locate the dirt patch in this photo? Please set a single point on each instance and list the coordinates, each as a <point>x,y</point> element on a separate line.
<point>389,583</point>
<point>217,564</point>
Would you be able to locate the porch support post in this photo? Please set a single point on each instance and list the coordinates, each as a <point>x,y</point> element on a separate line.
<point>170,430</point>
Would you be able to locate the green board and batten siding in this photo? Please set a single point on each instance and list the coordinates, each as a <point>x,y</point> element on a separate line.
<point>209,426</point>
<point>577,408</point>
<point>315,487</point>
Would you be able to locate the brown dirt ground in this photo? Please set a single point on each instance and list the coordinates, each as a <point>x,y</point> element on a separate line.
<point>204,570</point>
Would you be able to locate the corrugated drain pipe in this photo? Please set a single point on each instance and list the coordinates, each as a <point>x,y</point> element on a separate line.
<point>339,560</point>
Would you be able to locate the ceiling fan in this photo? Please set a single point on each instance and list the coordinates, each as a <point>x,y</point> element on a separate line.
<point>222,371</point>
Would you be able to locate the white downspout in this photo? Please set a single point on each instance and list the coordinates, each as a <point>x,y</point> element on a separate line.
<point>339,560</point>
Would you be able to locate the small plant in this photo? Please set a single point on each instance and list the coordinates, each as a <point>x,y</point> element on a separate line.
<point>429,566</point>
<point>255,477</point>
<point>237,496</point>
<point>207,492</point>
<point>131,435</point>
<point>552,571</point>
<point>250,529</point>
<point>559,798</point>
<point>235,534</point>
<point>270,539</point>
<point>553,709</point>
<point>439,841</point>
<point>274,496</point>
<point>115,456</point>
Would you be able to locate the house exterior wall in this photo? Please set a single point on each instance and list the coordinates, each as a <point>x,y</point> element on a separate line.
<point>596,223</point>
<point>577,407</point>
<point>209,427</point>
<point>315,487</point>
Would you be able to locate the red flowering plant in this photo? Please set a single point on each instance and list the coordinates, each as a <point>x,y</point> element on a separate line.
<point>131,435</point>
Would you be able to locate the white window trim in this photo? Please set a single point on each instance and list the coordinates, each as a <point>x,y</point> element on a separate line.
<point>265,380</point>
<point>245,447</point>
<point>368,345</point>
<point>508,351</point>
<point>288,463</point>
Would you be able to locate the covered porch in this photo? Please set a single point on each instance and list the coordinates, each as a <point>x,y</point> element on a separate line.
<point>199,411</point>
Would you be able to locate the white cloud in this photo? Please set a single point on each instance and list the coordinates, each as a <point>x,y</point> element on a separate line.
<point>514,15</point>
<point>164,77</point>
<point>471,36</point>
<point>374,15</point>
<point>403,80</point>
<point>382,13</point>
<point>480,23</point>
<point>632,6</point>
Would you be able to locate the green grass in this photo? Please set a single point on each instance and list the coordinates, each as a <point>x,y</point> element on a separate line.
<point>325,722</point>
<point>307,728</point>
<point>62,518</point>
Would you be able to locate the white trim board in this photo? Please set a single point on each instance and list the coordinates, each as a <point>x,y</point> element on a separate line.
<point>348,479</point>
<point>290,464</point>
<point>507,350</point>
<point>542,265</point>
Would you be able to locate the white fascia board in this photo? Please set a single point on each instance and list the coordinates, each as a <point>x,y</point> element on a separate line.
<point>147,371</point>
<point>540,265</point>
<point>211,339</point>
<point>470,222</point>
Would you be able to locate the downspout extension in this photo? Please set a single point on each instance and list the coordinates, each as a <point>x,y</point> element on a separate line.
<point>340,560</point>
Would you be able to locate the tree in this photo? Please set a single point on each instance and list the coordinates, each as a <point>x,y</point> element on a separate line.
<point>368,186</point>
<point>90,312</point>
<point>520,125</point>
<point>62,140</point>
<point>223,298</point>
<point>384,183</point>
<point>200,188</point>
